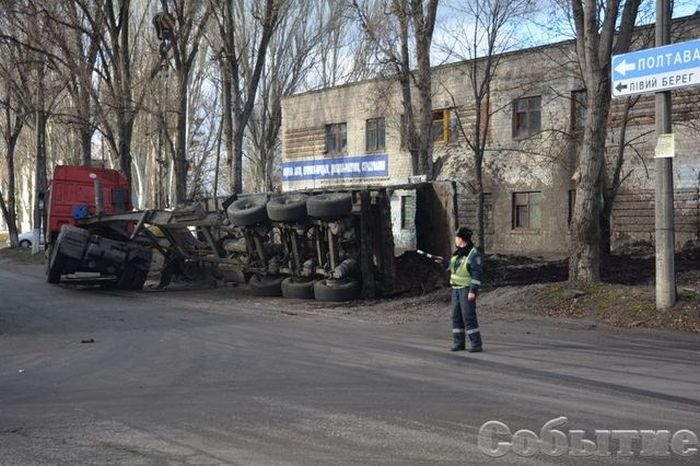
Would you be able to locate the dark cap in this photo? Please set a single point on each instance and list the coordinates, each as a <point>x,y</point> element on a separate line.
<point>464,233</point>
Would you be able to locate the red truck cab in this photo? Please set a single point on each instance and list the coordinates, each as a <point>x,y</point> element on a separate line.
<point>72,195</point>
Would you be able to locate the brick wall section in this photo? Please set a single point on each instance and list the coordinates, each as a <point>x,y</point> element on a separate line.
<point>303,142</point>
<point>685,107</point>
<point>466,210</point>
<point>633,216</point>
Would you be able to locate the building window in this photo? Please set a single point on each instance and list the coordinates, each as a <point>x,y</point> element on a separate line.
<point>375,134</point>
<point>527,115</point>
<point>337,138</point>
<point>408,212</point>
<point>572,203</point>
<point>445,125</point>
<point>579,109</point>
<point>526,210</point>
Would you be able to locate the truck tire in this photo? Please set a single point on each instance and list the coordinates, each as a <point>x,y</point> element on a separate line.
<point>330,205</point>
<point>295,288</point>
<point>287,208</point>
<point>247,211</point>
<point>336,290</point>
<point>53,264</point>
<point>266,286</point>
<point>132,279</point>
<point>135,273</point>
<point>25,243</point>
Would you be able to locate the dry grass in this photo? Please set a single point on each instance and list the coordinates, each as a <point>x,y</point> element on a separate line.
<point>621,305</point>
<point>21,256</point>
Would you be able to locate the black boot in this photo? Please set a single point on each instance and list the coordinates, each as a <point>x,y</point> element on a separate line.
<point>458,341</point>
<point>475,340</point>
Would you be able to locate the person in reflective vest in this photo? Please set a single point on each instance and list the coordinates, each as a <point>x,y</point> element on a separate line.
<point>465,267</point>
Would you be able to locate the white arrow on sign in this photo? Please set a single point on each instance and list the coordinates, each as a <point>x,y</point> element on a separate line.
<point>623,67</point>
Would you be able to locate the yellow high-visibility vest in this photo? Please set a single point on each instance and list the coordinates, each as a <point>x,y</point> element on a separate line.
<point>459,275</point>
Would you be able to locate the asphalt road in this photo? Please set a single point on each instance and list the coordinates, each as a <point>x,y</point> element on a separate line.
<point>215,376</point>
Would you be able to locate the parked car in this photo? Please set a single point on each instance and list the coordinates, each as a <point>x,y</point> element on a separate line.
<point>25,239</point>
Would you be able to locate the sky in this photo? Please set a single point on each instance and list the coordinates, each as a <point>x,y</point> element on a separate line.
<point>544,25</point>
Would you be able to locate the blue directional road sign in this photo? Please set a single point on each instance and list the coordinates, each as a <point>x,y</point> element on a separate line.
<point>658,69</point>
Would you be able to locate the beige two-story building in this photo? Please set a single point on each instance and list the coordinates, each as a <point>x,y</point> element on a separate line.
<point>351,135</point>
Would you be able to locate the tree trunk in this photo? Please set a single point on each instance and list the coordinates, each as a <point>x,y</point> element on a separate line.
<point>125,128</point>
<point>6,215</point>
<point>425,148</point>
<point>10,210</point>
<point>595,24</point>
<point>237,165</point>
<point>227,122</point>
<point>180,161</point>
<point>611,187</point>
<point>40,175</point>
<point>584,263</point>
<point>404,74</point>
<point>480,230</point>
<point>85,145</point>
<point>126,111</point>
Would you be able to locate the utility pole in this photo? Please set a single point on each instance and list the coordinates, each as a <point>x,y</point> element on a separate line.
<point>664,224</point>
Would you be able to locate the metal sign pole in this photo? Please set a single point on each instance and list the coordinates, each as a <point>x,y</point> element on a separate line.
<point>664,224</point>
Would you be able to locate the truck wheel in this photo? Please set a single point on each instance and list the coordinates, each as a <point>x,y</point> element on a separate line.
<point>336,290</point>
<point>135,271</point>
<point>287,208</point>
<point>53,264</point>
<point>266,286</point>
<point>296,288</point>
<point>330,205</point>
<point>25,243</point>
<point>132,278</point>
<point>247,211</point>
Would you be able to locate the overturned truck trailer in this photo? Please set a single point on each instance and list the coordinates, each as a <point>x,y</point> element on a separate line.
<point>330,245</point>
<point>340,244</point>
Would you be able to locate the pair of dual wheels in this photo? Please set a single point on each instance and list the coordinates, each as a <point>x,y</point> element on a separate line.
<point>253,210</point>
<point>292,287</point>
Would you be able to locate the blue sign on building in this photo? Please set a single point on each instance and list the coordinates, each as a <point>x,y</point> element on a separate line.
<point>658,69</point>
<point>326,168</point>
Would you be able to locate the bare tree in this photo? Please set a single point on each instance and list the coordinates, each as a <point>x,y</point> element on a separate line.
<point>415,22</point>
<point>119,93</point>
<point>14,114</point>
<point>596,40</point>
<point>485,30</point>
<point>191,19</point>
<point>78,42</point>
<point>245,31</point>
<point>345,55</point>
<point>38,86</point>
<point>295,50</point>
